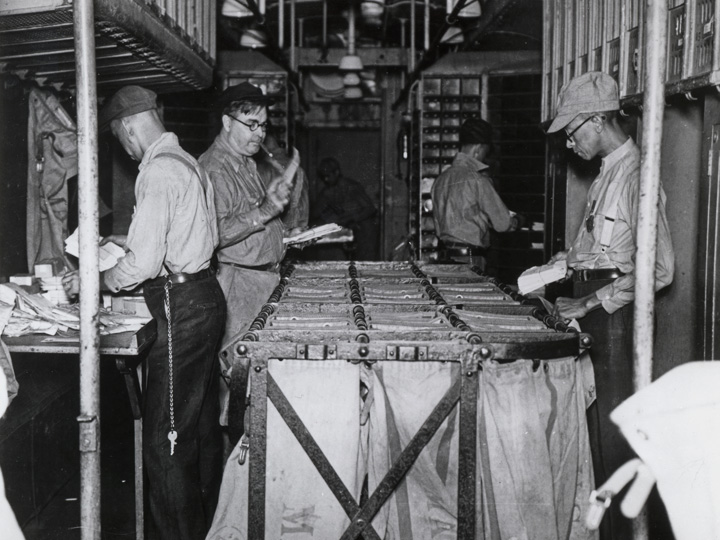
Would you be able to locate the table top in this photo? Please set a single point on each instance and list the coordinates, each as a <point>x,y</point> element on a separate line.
<point>121,344</point>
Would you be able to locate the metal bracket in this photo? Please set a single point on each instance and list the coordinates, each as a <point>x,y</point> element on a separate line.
<point>403,352</point>
<point>316,352</point>
<point>88,433</point>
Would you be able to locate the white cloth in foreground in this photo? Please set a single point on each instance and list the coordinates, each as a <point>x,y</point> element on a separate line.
<point>674,426</point>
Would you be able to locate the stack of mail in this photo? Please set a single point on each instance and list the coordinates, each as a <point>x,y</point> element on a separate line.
<point>538,276</point>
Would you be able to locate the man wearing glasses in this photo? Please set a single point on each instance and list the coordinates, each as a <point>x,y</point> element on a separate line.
<point>601,260</point>
<point>249,224</point>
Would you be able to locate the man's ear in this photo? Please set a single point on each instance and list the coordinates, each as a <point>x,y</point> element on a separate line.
<point>599,122</point>
<point>127,125</point>
<point>226,121</point>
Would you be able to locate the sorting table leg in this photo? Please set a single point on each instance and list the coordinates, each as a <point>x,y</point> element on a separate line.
<point>127,366</point>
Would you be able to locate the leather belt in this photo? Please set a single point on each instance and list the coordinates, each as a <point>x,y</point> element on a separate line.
<point>182,277</point>
<point>269,267</point>
<point>600,273</point>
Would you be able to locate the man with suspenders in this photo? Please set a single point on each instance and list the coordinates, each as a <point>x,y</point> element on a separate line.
<point>601,260</point>
<point>169,246</point>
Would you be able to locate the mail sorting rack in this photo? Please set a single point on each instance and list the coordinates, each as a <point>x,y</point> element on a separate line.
<point>460,348</point>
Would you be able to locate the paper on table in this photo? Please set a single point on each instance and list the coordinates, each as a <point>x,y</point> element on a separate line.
<point>109,253</point>
<point>315,232</point>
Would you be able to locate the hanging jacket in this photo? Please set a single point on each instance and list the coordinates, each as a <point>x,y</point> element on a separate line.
<point>52,160</point>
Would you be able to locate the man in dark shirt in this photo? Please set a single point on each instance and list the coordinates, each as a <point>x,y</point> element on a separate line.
<point>344,201</point>
<point>465,203</point>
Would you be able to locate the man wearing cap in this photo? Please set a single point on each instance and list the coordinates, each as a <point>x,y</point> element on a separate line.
<point>465,203</point>
<point>169,245</point>
<point>601,260</point>
<point>249,212</point>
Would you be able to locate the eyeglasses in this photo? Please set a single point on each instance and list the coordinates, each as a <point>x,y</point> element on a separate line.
<point>570,135</point>
<point>253,125</point>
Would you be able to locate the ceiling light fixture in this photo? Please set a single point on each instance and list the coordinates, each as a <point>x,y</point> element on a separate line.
<point>471,9</point>
<point>353,92</point>
<point>452,36</point>
<point>351,61</point>
<point>253,38</point>
<point>351,79</point>
<point>235,9</point>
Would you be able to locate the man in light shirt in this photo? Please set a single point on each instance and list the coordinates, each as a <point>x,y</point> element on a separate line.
<point>601,260</point>
<point>169,246</point>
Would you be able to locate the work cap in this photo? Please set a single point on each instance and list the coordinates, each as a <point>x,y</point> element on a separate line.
<point>242,92</point>
<point>127,101</point>
<point>591,92</point>
<point>475,131</point>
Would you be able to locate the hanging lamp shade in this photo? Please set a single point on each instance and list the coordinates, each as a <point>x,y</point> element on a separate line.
<point>351,62</point>
<point>351,79</point>
<point>353,92</point>
<point>471,9</point>
<point>372,11</point>
<point>452,35</point>
<point>253,39</point>
<point>235,9</point>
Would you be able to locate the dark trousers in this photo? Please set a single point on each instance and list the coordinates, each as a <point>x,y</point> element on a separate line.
<point>611,355</point>
<point>182,489</point>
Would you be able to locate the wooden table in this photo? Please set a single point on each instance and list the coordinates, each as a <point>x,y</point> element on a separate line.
<point>125,348</point>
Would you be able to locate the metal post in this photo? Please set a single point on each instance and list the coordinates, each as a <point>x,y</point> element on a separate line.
<point>426,32</point>
<point>293,60</point>
<point>84,30</point>
<point>653,107</point>
<point>411,60</point>
<point>484,91</point>
<point>324,24</point>
<point>281,24</point>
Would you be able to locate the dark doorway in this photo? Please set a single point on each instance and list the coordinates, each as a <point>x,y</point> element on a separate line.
<point>358,153</point>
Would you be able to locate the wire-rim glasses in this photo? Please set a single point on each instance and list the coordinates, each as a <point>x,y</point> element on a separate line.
<point>253,125</point>
<point>570,135</point>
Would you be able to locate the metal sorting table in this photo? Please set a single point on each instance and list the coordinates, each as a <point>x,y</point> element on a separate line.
<point>367,313</point>
<point>125,348</point>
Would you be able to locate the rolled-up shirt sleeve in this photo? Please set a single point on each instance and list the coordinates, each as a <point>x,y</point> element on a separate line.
<point>147,238</point>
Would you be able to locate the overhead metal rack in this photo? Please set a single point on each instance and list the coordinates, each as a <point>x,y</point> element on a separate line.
<point>167,46</point>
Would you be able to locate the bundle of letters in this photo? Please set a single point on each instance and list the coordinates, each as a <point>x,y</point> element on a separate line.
<point>24,313</point>
<point>538,276</point>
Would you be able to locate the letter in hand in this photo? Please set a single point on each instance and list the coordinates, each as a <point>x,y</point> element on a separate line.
<point>561,256</point>
<point>71,283</point>
<point>280,187</point>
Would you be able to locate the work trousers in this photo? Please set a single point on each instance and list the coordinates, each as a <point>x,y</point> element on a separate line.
<point>611,355</point>
<point>246,291</point>
<point>182,489</point>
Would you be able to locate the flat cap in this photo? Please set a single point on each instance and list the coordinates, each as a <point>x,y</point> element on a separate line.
<point>127,101</point>
<point>591,92</point>
<point>475,131</point>
<point>244,91</point>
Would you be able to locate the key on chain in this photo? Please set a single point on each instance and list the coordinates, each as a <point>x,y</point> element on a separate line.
<point>172,437</point>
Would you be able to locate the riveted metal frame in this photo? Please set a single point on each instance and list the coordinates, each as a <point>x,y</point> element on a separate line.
<point>464,392</point>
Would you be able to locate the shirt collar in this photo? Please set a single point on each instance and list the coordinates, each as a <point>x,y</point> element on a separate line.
<point>616,155</point>
<point>164,140</point>
<point>465,160</point>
